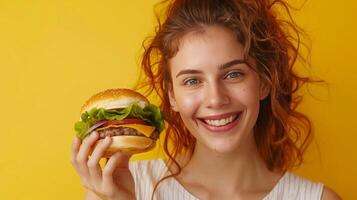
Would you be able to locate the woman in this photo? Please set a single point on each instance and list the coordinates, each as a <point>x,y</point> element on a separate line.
<point>224,72</point>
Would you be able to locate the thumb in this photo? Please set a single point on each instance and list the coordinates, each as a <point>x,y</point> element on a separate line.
<point>118,160</point>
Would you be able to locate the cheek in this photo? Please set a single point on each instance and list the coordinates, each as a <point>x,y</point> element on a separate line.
<point>187,102</point>
<point>248,95</point>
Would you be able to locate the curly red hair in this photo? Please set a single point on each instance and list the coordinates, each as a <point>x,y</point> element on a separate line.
<point>282,134</point>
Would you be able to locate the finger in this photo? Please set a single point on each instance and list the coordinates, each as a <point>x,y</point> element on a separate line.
<point>93,162</point>
<point>86,147</point>
<point>82,156</point>
<point>76,143</point>
<point>119,159</point>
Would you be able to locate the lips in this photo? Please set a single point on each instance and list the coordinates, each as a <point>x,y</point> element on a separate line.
<point>219,123</point>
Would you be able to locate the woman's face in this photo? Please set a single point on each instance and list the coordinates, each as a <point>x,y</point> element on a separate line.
<point>216,95</point>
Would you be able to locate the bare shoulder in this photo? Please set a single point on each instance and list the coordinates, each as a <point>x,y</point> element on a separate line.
<point>329,194</point>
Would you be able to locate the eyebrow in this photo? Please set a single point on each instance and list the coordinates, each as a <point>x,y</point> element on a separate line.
<point>220,67</point>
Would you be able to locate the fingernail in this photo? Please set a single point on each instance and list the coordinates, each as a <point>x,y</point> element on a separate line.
<point>94,133</point>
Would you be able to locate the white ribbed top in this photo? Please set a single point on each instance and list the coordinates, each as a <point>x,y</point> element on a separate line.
<point>147,172</point>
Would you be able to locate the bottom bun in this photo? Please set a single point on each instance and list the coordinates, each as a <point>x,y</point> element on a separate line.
<point>129,145</point>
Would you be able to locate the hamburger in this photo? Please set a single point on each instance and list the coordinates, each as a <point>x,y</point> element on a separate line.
<point>126,116</point>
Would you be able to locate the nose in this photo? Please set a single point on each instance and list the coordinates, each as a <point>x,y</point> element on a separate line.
<point>216,96</point>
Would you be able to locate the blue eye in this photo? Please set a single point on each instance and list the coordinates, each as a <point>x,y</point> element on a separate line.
<point>191,82</point>
<point>233,75</point>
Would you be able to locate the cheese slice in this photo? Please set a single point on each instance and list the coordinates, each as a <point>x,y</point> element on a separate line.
<point>144,129</point>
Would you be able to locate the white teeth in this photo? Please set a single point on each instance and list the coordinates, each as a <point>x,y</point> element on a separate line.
<point>220,122</point>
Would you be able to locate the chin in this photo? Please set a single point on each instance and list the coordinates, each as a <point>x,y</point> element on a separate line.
<point>221,145</point>
<point>233,142</point>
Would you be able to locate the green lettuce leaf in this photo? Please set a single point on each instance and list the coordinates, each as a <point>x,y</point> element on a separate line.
<point>149,113</point>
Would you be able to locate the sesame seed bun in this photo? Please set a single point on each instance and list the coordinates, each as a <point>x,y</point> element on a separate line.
<point>114,98</point>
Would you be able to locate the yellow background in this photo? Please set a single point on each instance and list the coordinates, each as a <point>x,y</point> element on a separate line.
<point>55,54</point>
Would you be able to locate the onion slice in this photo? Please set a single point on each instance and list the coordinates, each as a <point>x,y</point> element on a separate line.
<point>98,124</point>
<point>114,122</point>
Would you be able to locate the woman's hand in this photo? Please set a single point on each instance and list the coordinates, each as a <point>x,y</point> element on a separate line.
<point>112,182</point>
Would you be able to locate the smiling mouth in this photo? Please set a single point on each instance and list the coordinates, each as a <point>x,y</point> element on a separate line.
<point>220,122</point>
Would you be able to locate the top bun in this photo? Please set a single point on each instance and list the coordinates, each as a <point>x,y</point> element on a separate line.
<point>114,98</point>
